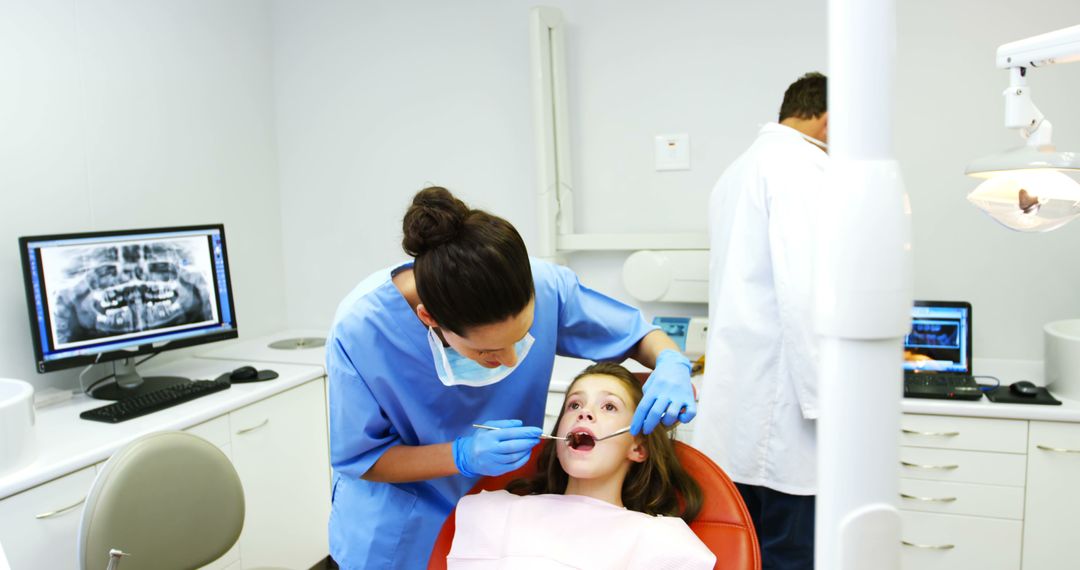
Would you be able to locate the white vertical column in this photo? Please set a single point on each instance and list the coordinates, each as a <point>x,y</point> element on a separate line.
<point>551,131</point>
<point>863,297</point>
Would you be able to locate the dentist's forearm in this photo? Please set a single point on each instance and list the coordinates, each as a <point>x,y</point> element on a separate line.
<point>650,346</point>
<point>407,463</point>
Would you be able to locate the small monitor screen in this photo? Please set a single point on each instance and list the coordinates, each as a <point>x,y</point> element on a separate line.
<point>92,294</point>
<point>675,327</point>
<point>940,338</point>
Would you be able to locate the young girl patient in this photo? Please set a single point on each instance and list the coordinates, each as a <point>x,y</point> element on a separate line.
<point>616,503</point>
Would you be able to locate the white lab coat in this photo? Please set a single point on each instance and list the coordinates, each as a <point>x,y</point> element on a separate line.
<point>759,396</point>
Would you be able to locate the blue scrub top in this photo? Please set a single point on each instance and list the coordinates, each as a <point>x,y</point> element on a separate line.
<point>384,391</point>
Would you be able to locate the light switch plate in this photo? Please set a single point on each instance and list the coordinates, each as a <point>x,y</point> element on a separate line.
<point>673,152</point>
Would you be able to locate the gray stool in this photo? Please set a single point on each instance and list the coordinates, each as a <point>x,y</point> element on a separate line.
<point>166,500</point>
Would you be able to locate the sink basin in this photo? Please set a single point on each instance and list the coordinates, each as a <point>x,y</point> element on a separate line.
<point>16,424</point>
<point>1062,357</point>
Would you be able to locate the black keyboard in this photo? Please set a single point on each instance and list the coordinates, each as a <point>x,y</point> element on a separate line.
<point>942,386</point>
<point>157,400</point>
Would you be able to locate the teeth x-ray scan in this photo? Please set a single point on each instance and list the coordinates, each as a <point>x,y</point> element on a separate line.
<point>124,289</point>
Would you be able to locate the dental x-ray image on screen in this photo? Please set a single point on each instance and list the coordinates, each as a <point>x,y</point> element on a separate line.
<point>125,289</point>
<point>940,337</point>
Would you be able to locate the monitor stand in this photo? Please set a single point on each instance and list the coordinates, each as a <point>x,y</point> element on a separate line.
<point>129,384</point>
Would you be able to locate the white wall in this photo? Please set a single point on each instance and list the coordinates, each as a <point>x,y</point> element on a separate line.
<point>950,111</point>
<point>124,114</point>
<point>377,99</point>
<point>141,114</point>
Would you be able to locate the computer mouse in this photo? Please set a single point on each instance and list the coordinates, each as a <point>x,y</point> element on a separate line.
<point>244,373</point>
<point>1024,389</point>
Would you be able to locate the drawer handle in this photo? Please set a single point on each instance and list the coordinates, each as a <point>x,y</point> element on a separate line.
<point>928,499</point>
<point>59,512</point>
<point>251,429</point>
<point>917,466</point>
<point>929,546</point>
<point>933,433</point>
<point>1057,449</point>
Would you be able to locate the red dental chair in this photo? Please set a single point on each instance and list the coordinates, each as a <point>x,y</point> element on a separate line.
<point>723,523</point>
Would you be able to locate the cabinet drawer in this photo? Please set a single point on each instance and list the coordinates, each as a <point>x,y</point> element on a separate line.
<point>951,542</point>
<point>952,432</point>
<point>39,526</point>
<point>963,466</point>
<point>962,498</point>
<point>216,431</point>
<point>1058,438</point>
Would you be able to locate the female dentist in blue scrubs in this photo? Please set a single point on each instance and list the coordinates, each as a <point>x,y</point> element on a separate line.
<point>466,333</point>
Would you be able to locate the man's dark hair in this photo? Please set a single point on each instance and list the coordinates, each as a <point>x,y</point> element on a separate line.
<point>806,98</point>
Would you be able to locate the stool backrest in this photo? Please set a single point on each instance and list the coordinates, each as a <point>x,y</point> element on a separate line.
<point>169,499</point>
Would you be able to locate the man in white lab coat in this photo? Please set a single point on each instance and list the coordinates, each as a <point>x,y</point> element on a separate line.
<point>758,405</point>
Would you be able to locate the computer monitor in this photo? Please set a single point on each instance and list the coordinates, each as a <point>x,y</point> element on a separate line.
<point>940,338</point>
<point>111,296</point>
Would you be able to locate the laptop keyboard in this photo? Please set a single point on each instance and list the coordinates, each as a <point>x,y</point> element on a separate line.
<point>943,386</point>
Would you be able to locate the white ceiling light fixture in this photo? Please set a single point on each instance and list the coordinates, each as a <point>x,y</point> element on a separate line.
<point>1032,188</point>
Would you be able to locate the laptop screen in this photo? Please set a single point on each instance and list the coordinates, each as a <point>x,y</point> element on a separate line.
<point>940,338</point>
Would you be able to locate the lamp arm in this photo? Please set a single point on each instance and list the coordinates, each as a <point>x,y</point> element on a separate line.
<point>1021,112</point>
<point>1059,46</point>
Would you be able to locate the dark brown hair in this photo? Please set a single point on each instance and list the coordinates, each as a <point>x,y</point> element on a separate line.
<point>657,486</point>
<point>471,267</point>
<point>806,98</point>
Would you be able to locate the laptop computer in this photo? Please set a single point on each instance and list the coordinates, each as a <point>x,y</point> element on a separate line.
<point>937,352</point>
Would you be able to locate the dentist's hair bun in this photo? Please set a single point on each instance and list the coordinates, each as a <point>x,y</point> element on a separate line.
<point>434,218</point>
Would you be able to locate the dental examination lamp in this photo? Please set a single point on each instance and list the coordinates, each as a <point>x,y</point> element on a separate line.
<point>1032,188</point>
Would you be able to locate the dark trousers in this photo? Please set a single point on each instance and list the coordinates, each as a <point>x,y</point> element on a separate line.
<point>784,525</point>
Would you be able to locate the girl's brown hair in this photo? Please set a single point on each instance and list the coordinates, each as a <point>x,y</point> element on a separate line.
<point>657,486</point>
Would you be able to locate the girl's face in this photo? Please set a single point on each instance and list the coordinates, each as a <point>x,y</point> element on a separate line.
<point>598,405</point>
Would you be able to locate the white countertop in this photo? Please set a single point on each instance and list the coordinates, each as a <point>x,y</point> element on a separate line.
<point>258,349</point>
<point>1068,411</point>
<point>67,443</point>
<point>566,368</point>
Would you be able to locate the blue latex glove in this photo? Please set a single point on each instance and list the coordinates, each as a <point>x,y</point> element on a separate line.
<point>494,452</point>
<point>668,394</point>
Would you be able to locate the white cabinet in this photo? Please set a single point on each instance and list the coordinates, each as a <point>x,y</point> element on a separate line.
<point>279,447</point>
<point>962,483</point>
<point>38,526</point>
<point>952,542</point>
<point>216,431</point>
<point>1053,499</point>
<point>989,494</point>
<point>954,432</point>
<point>280,450</point>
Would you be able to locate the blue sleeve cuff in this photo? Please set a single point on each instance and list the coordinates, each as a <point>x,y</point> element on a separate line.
<point>459,458</point>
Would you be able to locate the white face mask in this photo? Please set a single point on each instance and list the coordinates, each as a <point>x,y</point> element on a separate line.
<point>457,370</point>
